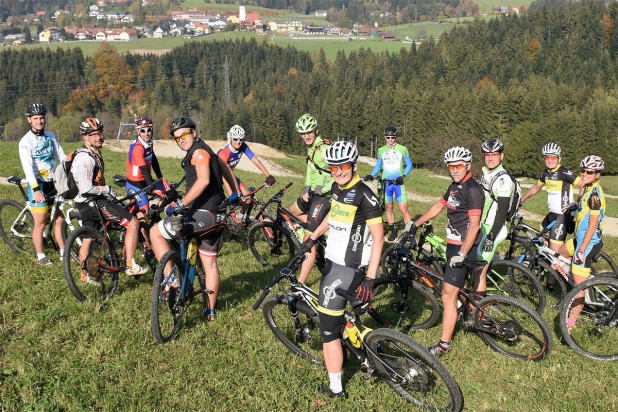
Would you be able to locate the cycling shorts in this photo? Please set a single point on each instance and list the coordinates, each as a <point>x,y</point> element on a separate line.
<point>111,212</point>
<point>393,190</point>
<point>457,276</point>
<point>487,256</point>
<point>583,269</point>
<point>331,306</point>
<point>316,210</point>
<point>140,197</point>
<point>204,225</point>
<point>558,232</point>
<point>49,191</point>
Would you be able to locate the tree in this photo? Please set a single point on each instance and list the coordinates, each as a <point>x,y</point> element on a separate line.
<point>28,34</point>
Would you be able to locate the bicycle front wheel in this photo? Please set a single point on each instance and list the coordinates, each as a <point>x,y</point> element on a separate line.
<point>166,304</point>
<point>404,304</point>
<point>271,244</point>
<point>513,279</point>
<point>412,371</point>
<point>86,277</point>
<point>512,328</point>
<point>603,263</point>
<point>595,333</point>
<point>299,333</point>
<point>16,226</point>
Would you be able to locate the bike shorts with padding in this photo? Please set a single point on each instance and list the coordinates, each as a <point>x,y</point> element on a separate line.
<point>393,190</point>
<point>205,225</point>
<point>583,269</point>
<point>49,190</point>
<point>316,210</point>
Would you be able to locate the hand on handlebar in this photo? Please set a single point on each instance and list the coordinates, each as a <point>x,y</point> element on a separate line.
<point>368,178</point>
<point>457,260</point>
<point>270,180</point>
<point>365,291</point>
<point>174,208</point>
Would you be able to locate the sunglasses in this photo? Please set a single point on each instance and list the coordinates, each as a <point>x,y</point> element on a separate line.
<point>456,167</point>
<point>496,154</point>
<point>94,134</point>
<point>588,172</point>
<point>390,137</point>
<point>148,130</point>
<point>184,136</point>
<point>237,140</point>
<point>343,168</point>
<point>551,157</point>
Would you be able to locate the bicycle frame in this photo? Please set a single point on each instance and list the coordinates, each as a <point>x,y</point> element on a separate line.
<point>284,217</point>
<point>189,256</point>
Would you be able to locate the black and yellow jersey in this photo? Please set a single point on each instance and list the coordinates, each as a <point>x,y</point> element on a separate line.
<point>353,208</point>
<point>558,182</point>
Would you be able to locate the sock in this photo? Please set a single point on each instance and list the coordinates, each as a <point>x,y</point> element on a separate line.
<point>335,381</point>
<point>61,252</point>
<point>40,256</point>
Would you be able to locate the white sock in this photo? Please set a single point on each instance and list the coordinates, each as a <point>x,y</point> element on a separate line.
<point>40,256</point>
<point>335,381</point>
<point>61,252</point>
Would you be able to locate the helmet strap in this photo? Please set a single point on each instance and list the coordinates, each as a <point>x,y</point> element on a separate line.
<point>38,132</point>
<point>144,143</point>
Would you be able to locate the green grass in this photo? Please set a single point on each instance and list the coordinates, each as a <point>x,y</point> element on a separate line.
<point>58,354</point>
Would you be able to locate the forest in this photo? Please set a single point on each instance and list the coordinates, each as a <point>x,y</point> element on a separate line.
<point>548,75</point>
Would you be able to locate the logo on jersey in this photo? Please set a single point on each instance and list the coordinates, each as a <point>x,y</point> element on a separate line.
<point>349,197</point>
<point>336,210</point>
<point>559,231</point>
<point>329,291</point>
<point>316,211</point>
<point>372,200</point>
<point>356,239</point>
<point>452,202</point>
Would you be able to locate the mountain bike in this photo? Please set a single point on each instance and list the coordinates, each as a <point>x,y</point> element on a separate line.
<point>402,363</point>
<point>239,222</point>
<point>504,277</point>
<point>595,333</point>
<point>104,257</point>
<point>17,223</point>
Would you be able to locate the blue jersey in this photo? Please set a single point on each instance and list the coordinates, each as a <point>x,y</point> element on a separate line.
<point>231,156</point>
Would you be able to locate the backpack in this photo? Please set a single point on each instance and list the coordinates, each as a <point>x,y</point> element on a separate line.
<point>310,158</point>
<point>63,178</point>
<point>515,196</point>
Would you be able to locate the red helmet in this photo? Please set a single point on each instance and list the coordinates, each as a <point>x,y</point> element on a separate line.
<point>143,122</point>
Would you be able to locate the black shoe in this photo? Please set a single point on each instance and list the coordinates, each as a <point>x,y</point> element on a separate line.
<point>393,235</point>
<point>325,389</point>
<point>437,350</point>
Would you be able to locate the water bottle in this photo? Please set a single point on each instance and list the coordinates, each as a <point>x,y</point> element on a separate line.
<point>353,334</point>
<point>192,251</point>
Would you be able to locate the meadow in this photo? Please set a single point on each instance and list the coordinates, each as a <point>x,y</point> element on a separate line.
<point>59,354</point>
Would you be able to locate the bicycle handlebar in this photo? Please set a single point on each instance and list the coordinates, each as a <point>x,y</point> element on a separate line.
<point>359,306</point>
<point>286,272</point>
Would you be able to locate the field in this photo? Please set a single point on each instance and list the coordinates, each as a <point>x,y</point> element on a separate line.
<point>58,354</point>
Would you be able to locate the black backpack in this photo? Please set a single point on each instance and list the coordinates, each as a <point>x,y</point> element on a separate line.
<point>515,196</point>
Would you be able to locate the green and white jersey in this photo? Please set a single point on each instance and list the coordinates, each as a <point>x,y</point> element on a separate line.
<point>503,187</point>
<point>392,160</point>
<point>314,176</point>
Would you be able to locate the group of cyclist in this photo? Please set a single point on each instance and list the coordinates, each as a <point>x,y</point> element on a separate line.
<point>334,199</point>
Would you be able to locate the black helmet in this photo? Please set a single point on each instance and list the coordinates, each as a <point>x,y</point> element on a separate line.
<point>181,123</point>
<point>35,109</point>
<point>390,130</point>
<point>492,146</point>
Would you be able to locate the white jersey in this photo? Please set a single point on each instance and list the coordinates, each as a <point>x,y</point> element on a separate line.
<point>39,156</point>
<point>503,187</point>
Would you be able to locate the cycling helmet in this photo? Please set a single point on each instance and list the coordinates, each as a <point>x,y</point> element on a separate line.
<point>91,125</point>
<point>492,146</point>
<point>390,130</point>
<point>36,109</point>
<point>236,132</point>
<point>143,122</point>
<point>456,154</point>
<point>551,149</point>
<point>181,123</point>
<point>341,152</point>
<point>306,124</point>
<point>592,162</point>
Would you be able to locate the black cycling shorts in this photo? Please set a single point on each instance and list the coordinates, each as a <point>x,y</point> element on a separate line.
<point>558,232</point>
<point>110,211</point>
<point>457,276</point>
<point>205,225</point>
<point>316,210</point>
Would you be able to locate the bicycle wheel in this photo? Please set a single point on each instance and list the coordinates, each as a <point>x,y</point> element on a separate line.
<point>602,263</point>
<point>512,328</point>
<point>394,257</point>
<point>513,279</point>
<point>271,244</point>
<point>300,334</point>
<point>100,283</point>
<point>70,223</point>
<point>166,305</point>
<point>595,333</point>
<point>15,226</point>
<point>412,371</point>
<point>404,304</point>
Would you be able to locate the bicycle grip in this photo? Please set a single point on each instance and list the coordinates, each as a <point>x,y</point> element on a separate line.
<point>261,299</point>
<point>288,186</point>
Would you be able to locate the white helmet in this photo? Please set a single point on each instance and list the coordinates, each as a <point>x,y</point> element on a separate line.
<point>236,132</point>
<point>341,152</point>
<point>456,154</point>
<point>551,149</point>
<point>592,162</point>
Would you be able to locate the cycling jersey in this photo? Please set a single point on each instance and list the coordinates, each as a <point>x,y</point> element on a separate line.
<point>592,202</point>
<point>354,207</point>
<point>232,156</point>
<point>463,199</point>
<point>503,187</point>
<point>390,161</point>
<point>558,183</point>
<point>38,155</point>
<point>212,198</point>
<point>140,160</point>
<point>318,177</point>
<point>88,171</point>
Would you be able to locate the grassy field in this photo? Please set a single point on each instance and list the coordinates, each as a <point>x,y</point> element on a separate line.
<point>58,354</point>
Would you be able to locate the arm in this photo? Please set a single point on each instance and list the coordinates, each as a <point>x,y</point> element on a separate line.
<point>500,218</point>
<point>592,227</point>
<point>60,156</point>
<point>28,166</point>
<point>228,176</point>
<point>408,162</point>
<point>473,230</point>
<point>201,160</point>
<point>82,169</point>
<point>376,169</point>
<point>377,233</point>
<point>156,167</point>
<point>432,212</point>
<point>260,166</point>
<point>533,191</point>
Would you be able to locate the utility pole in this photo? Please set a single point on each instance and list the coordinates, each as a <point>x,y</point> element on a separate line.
<point>226,71</point>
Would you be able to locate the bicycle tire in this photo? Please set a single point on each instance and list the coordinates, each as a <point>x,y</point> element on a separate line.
<point>305,342</point>
<point>556,288</point>
<point>516,280</point>
<point>166,306</point>
<point>102,283</point>
<point>595,334</point>
<point>390,258</point>
<point>271,244</point>
<point>602,263</point>
<point>507,325</point>
<point>404,304</point>
<point>20,237</point>
<point>411,371</point>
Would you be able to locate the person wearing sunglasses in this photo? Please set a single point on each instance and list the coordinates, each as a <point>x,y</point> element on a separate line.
<point>558,182</point>
<point>395,163</point>
<point>40,153</point>
<point>463,200</point>
<point>314,203</point>
<point>202,207</point>
<point>141,159</point>
<point>353,251</point>
<point>232,152</point>
<point>589,215</point>
<point>88,170</point>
